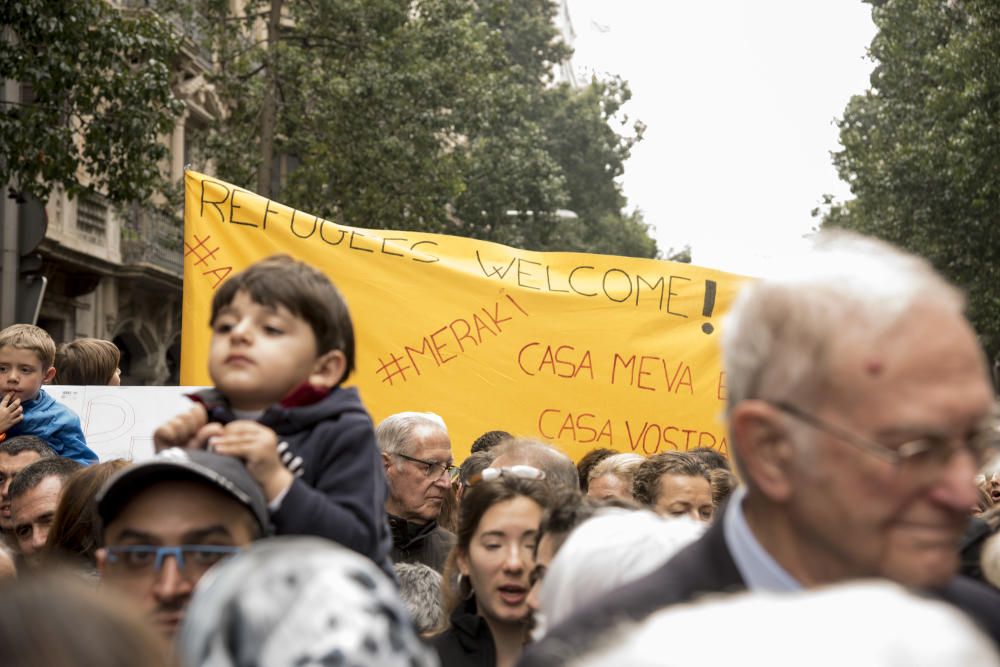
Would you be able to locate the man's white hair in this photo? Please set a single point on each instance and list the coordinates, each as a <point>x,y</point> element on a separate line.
<point>778,334</point>
<point>395,432</point>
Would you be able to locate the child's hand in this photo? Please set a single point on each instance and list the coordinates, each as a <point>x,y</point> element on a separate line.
<point>189,429</point>
<point>257,445</point>
<point>11,412</point>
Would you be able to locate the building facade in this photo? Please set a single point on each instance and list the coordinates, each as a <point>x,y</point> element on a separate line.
<point>117,273</point>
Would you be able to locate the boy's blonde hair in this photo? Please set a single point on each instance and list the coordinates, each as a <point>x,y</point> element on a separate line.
<point>30,337</point>
<point>86,361</point>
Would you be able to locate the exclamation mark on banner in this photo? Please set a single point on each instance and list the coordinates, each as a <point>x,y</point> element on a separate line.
<point>709,305</point>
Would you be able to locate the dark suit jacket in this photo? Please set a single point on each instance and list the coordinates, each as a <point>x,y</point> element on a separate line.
<point>703,568</point>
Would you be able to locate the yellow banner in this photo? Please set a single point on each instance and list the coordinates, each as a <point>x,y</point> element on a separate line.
<point>580,350</point>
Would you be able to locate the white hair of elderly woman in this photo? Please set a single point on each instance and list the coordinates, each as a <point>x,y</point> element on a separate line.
<point>862,624</point>
<point>608,550</point>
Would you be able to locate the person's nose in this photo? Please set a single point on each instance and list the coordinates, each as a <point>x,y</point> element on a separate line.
<point>171,582</point>
<point>956,488</point>
<point>38,538</point>
<point>442,481</point>
<point>242,331</point>
<point>514,560</point>
<point>5,489</point>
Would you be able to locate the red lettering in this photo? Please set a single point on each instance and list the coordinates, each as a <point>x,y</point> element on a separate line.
<point>643,372</point>
<point>520,354</point>
<point>466,334</point>
<point>541,430</point>
<point>629,365</point>
<point>440,346</point>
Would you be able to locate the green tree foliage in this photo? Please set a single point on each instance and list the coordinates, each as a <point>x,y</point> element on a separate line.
<point>98,98</point>
<point>922,146</point>
<point>435,115</point>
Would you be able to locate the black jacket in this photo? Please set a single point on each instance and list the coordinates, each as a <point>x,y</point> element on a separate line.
<point>706,566</point>
<point>426,543</point>
<point>468,641</point>
<point>341,492</point>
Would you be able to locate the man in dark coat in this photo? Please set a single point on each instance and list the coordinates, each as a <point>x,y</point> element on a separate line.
<point>857,400</point>
<point>416,453</point>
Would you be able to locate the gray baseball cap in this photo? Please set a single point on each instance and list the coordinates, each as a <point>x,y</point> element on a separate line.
<point>221,472</point>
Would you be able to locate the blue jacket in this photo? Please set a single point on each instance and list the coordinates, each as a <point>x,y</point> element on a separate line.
<point>341,491</point>
<point>57,425</point>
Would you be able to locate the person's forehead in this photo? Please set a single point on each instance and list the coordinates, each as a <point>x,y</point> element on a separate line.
<point>178,506</point>
<point>16,462</point>
<point>675,483</point>
<point>244,304</point>
<point>427,440</point>
<point>19,355</point>
<point>929,359</point>
<point>46,492</point>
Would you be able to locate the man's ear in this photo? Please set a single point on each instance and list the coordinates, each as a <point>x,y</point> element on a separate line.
<point>386,462</point>
<point>329,369</point>
<point>764,446</point>
<point>49,375</point>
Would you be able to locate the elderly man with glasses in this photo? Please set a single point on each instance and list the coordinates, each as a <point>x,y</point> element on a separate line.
<point>167,520</point>
<point>859,407</point>
<point>416,453</point>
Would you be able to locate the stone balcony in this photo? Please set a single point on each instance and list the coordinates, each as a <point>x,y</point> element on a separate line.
<point>153,239</point>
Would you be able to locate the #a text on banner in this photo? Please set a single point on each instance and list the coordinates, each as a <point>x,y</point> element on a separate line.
<point>579,350</point>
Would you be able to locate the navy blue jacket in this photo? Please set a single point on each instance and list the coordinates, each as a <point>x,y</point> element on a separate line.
<point>341,492</point>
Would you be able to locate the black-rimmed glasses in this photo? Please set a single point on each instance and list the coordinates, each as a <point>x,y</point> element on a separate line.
<point>925,453</point>
<point>432,468</point>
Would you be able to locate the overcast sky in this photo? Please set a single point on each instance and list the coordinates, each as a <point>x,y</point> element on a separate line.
<point>739,98</point>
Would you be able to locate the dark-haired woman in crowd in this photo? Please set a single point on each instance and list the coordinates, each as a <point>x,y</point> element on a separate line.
<point>487,573</point>
<point>73,538</point>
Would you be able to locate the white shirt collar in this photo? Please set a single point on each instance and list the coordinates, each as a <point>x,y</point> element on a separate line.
<point>759,569</point>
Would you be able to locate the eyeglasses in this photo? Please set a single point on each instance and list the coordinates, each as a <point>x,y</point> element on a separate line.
<point>193,560</point>
<point>432,468</point>
<point>930,453</point>
<point>520,471</point>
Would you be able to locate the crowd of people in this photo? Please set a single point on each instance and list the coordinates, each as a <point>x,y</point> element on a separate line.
<point>855,519</point>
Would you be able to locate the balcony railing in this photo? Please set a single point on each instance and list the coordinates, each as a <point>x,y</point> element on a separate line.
<point>153,238</point>
<point>197,43</point>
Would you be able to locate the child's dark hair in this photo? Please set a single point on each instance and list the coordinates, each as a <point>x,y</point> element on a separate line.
<point>306,293</point>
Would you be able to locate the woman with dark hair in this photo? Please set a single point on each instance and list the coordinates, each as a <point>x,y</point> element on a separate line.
<point>486,580</point>
<point>73,537</point>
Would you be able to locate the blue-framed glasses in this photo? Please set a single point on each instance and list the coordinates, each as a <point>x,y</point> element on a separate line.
<point>193,560</point>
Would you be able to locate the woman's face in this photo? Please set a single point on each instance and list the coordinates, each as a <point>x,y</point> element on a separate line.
<point>500,558</point>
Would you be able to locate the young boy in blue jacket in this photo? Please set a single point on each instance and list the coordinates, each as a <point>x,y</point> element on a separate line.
<point>27,353</point>
<point>282,342</point>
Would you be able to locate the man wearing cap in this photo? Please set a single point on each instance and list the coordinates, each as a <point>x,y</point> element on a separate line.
<point>167,520</point>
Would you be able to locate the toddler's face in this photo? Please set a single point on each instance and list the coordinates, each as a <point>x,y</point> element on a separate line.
<point>258,353</point>
<point>21,373</point>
